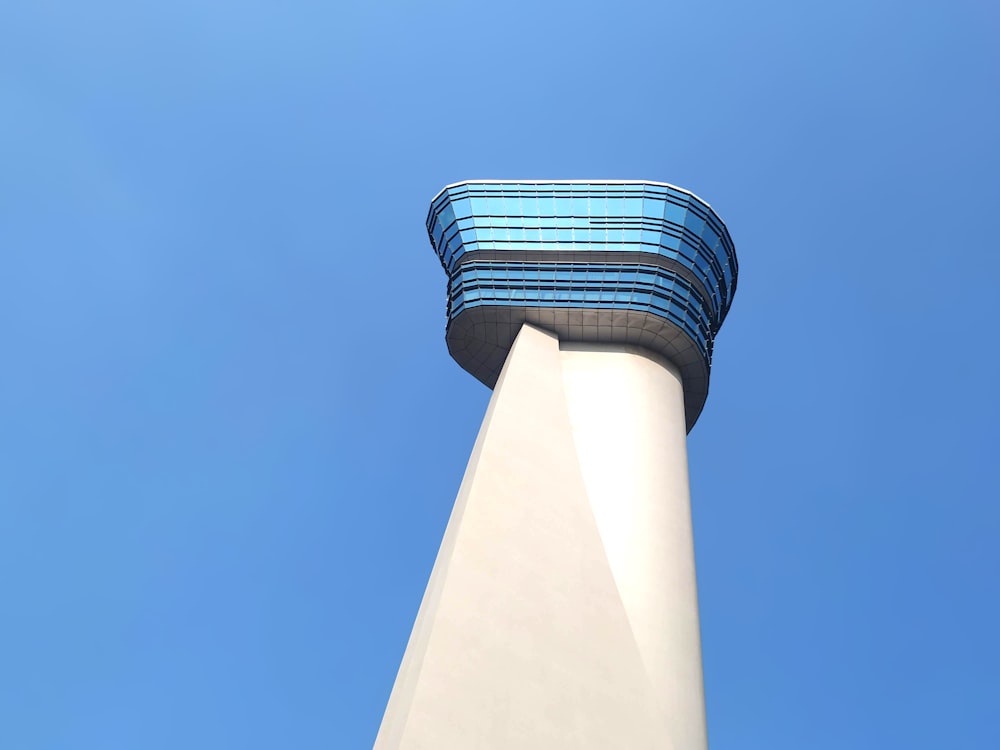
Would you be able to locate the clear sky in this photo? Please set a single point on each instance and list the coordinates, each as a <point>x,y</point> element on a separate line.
<point>230,433</point>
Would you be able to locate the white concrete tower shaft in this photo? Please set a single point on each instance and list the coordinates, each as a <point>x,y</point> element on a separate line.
<point>562,609</point>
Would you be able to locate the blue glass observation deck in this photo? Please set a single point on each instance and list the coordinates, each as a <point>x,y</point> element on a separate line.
<point>640,263</point>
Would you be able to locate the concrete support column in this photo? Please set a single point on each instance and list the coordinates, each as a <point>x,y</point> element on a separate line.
<point>626,408</point>
<point>562,611</point>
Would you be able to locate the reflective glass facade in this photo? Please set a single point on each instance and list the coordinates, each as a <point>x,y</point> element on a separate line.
<point>630,287</point>
<point>526,247</point>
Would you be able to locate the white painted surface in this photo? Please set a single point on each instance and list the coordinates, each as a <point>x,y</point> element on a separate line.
<point>627,414</point>
<point>562,610</point>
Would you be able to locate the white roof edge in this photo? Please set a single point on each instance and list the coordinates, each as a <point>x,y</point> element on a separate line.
<point>576,182</point>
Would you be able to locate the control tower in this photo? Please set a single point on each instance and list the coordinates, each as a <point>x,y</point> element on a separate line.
<point>562,610</point>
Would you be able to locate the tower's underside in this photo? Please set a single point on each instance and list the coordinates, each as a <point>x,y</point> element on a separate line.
<point>562,608</point>
<point>480,338</point>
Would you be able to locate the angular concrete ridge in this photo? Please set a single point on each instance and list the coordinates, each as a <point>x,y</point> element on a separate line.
<point>562,609</point>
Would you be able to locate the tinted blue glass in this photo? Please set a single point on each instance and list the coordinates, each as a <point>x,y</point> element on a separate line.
<point>624,215</point>
<point>694,223</point>
<point>652,208</point>
<point>447,215</point>
<point>670,243</point>
<point>462,207</point>
<point>674,213</point>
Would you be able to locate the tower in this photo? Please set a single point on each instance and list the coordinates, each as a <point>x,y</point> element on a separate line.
<point>562,609</point>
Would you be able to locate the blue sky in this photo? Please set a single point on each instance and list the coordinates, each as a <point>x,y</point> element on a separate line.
<point>230,433</point>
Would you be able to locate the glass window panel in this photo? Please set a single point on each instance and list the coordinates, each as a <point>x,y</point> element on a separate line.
<point>652,208</point>
<point>694,223</point>
<point>650,237</point>
<point>670,244</point>
<point>674,213</point>
<point>687,251</point>
<point>447,215</point>
<point>461,207</point>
